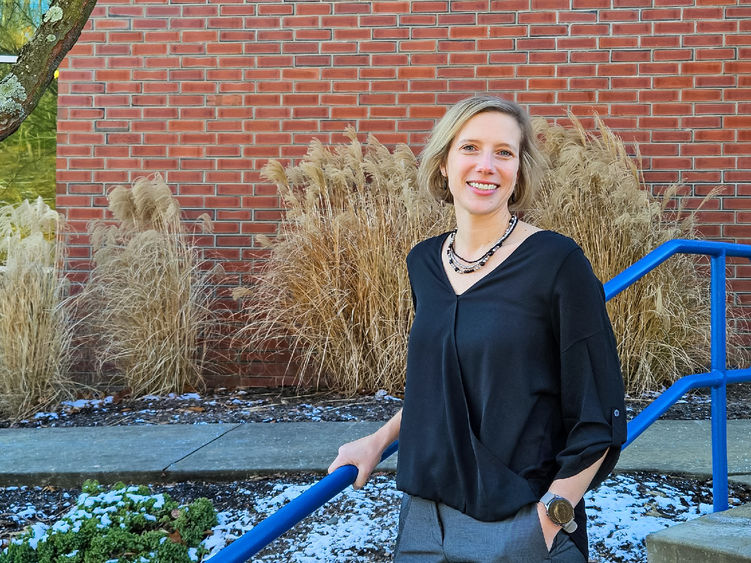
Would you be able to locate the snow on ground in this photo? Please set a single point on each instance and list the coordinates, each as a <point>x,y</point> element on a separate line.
<point>361,525</point>
<point>625,509</point>
<point>356,526</point>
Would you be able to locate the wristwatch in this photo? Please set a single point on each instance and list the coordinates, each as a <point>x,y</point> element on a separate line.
<point>560,511</point>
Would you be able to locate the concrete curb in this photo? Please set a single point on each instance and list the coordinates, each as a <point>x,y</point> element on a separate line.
<point>685,446</point>
<point>66,457</point>
<point>167,453</point>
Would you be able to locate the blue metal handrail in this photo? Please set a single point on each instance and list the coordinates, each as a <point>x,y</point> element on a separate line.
<point>717,378</point>
<point>291,513</point>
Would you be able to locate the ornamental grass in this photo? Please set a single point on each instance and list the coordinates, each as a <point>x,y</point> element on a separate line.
<point>36,327</point>
<point>149,297</point>
<point>593,193</point>
<point>335,290</point>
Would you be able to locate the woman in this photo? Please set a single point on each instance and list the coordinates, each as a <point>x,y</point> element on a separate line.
<point>513,404</point>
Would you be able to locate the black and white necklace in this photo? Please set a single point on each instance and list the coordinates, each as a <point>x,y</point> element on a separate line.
<point>464,266</point>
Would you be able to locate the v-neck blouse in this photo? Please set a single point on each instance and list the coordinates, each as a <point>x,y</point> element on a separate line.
<point>510,384</point>
<point>490,273</point>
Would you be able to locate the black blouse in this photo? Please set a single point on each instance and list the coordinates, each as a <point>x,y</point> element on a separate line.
<point>510,385</point>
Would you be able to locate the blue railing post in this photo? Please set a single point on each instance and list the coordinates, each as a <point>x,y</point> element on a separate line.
<point>719,391</point>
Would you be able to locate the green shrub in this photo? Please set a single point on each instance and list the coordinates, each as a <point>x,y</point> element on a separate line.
<point>124,524</point>
<point>28,156</point>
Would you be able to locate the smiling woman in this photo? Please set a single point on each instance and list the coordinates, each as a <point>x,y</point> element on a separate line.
<point>514,399</point>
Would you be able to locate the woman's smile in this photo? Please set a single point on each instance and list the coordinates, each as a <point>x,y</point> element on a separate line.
<point>482,187</point>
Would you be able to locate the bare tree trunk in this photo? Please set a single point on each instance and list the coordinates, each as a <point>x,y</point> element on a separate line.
<point>21,90</point>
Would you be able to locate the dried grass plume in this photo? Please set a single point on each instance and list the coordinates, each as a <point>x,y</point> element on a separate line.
<point>149,295</point>
<point>336,288</point>
<point>593,193</point>
<point>36,327</point>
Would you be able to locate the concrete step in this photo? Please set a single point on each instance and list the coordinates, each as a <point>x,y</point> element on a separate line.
<point>722,537</point>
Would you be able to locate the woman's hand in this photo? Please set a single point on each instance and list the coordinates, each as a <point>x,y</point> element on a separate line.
<point>364,454</point>
<point>549,529</point>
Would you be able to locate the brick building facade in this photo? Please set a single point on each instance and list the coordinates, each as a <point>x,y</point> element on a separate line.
<point>206,92</point>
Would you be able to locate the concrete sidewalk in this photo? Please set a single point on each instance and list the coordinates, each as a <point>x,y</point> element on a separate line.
<point>166,453</point>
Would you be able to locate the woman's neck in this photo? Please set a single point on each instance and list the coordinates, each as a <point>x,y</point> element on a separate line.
<point>476,233</point>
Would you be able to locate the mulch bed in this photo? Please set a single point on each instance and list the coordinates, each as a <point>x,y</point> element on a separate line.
<point>20,507</point>
<point>293,405</point>
<point>220,405</point>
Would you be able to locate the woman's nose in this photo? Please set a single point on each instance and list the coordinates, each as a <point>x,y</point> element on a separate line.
<point>484,162</point>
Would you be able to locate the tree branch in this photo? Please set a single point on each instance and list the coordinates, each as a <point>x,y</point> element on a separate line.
<point>21,90</point>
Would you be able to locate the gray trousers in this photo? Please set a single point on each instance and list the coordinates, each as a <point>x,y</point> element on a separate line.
<point>433,532</point>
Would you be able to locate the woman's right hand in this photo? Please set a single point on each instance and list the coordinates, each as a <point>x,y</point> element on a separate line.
<point>364,454</point>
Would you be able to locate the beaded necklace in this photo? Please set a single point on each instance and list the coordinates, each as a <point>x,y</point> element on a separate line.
<point>470,266</point>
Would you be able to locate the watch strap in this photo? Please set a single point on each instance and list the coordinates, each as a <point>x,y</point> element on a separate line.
<point>570,526</point>
<point>547,497</point>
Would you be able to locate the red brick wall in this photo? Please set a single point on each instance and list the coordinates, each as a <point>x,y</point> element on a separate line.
<point>207,92</point>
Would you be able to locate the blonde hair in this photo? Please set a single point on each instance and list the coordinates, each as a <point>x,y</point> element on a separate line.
<point>436,150</point>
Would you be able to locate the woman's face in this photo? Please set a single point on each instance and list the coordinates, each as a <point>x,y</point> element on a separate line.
<point>482,164</point>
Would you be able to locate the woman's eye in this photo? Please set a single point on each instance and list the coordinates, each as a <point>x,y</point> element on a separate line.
<point>468,147</point>
<point>505,153</point>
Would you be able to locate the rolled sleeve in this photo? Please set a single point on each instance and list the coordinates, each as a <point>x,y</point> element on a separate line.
<point>592,396</point>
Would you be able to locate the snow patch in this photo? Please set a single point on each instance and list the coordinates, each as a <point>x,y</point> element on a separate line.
<point>84,403</point>
<point>358,525</point>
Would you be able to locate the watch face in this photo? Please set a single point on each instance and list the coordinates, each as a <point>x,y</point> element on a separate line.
<point>561,511</point>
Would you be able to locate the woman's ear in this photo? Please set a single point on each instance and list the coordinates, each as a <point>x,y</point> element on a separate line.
<point>442,168</point>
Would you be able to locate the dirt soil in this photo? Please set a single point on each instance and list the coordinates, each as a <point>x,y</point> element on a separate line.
<point>292,405</point>
<point>48,504</point>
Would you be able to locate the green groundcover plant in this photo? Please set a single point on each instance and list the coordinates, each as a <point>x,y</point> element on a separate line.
<point>125,524</point>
